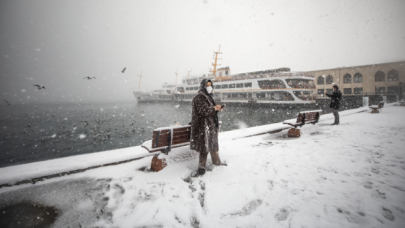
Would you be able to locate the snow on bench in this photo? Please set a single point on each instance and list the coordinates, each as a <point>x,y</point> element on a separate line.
<point>166,138</point>
<point>305,117</point>
<point>375,108</point>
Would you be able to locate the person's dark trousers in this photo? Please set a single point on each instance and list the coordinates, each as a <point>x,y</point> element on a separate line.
<point>336,114</point>
<point>203,159</point>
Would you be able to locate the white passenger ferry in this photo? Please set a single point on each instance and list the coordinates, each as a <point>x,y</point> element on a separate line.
<point>277,86</point>
<point>164,94</point>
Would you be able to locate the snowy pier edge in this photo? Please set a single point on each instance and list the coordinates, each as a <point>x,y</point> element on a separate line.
<point>349,175</point>
<point>29,173</point>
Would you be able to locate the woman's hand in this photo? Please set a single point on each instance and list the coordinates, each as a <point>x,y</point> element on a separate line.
<point>217,107</point>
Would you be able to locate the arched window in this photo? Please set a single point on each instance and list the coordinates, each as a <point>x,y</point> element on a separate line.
<point>329,79</point>
<point>347,78</point>
<point>358,78</point>
<point>321,80</point>
<point>380,76</point>
<point>393,75</point>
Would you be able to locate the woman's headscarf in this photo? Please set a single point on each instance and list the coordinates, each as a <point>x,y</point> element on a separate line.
<point>203,88</point>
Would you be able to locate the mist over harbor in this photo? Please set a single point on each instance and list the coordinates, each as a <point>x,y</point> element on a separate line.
<point>58,44</point>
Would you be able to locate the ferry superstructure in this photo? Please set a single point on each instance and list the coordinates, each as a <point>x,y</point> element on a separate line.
<point>276,86</point>
<point>279,86</point>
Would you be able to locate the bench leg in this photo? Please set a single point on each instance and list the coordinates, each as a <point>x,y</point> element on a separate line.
<point>294,133</point>
<point>157,164</point>
<point>375,111</point>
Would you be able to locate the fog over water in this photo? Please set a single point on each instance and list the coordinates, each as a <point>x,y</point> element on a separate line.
<point>58,43</point>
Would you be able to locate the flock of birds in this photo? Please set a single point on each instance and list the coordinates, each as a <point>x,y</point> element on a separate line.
<point>100,130</point>
<point>40,87</point>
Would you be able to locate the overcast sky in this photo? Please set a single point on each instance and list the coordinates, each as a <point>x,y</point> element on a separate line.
<point>58,43</point>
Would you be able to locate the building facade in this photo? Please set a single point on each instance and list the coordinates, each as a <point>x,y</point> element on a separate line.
<point>377,79</point>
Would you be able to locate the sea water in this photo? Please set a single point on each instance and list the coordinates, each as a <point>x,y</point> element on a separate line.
<point>37,132</point>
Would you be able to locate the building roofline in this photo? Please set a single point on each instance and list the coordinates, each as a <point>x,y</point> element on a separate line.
<point>337,68</point>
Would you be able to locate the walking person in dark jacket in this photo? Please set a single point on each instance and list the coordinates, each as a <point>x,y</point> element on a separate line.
<point>205,126</point>
<point>336,97</point>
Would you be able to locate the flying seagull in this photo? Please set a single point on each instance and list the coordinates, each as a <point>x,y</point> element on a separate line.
<point>85,123</point>
<point>6,102</point>
<point>123,71</point>
<point>40,87</point>
<point>89,78</point>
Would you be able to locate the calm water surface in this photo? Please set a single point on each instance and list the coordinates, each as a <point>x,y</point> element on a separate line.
<point>39,132</point>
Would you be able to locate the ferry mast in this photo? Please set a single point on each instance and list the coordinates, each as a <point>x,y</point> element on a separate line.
<point>140,78</point>
<point>215,64</point>
<point>176,76</point>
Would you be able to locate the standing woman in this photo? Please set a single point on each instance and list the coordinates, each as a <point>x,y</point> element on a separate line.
<point>205,126</point>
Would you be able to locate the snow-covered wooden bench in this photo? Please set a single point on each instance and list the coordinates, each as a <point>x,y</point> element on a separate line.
<point>305,117</point>
<point>164,139</point>
<point>375,108</point>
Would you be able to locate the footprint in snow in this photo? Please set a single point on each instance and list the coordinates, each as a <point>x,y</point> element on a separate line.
<point>246,210</point>
<point>368,185</point>
<point>378,194</point>
<point>283,214</point>
<point>388,214</point>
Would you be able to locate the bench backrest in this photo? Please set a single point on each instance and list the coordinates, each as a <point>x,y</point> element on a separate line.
<point>308,116</point>
<point>163,136</point>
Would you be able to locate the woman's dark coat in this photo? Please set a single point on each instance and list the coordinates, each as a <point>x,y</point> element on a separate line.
<point>336,97</point>
<point>204,122</point>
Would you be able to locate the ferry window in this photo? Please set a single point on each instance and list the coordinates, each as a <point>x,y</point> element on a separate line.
<point>301,83</point>
<point>329,91</point>
<point>305,96</point>
<point>283,96</point>
<point>380,90</point>
<point>231,85</point>
<point>347,90</point>
<point>358,90</point>
<point>187,88</point>
<point>329,79</point>
<point>321,91</point>
<point>224,86</point>
<point>196,88</point>
<point>239,85</point>
<point>226,72</point>
<point>180,89</point>
<point>248,84</point>
<point>261,95</point>
<point>218,87</point>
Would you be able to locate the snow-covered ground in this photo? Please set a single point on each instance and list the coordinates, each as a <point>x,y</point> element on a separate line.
<point>351,175</point>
